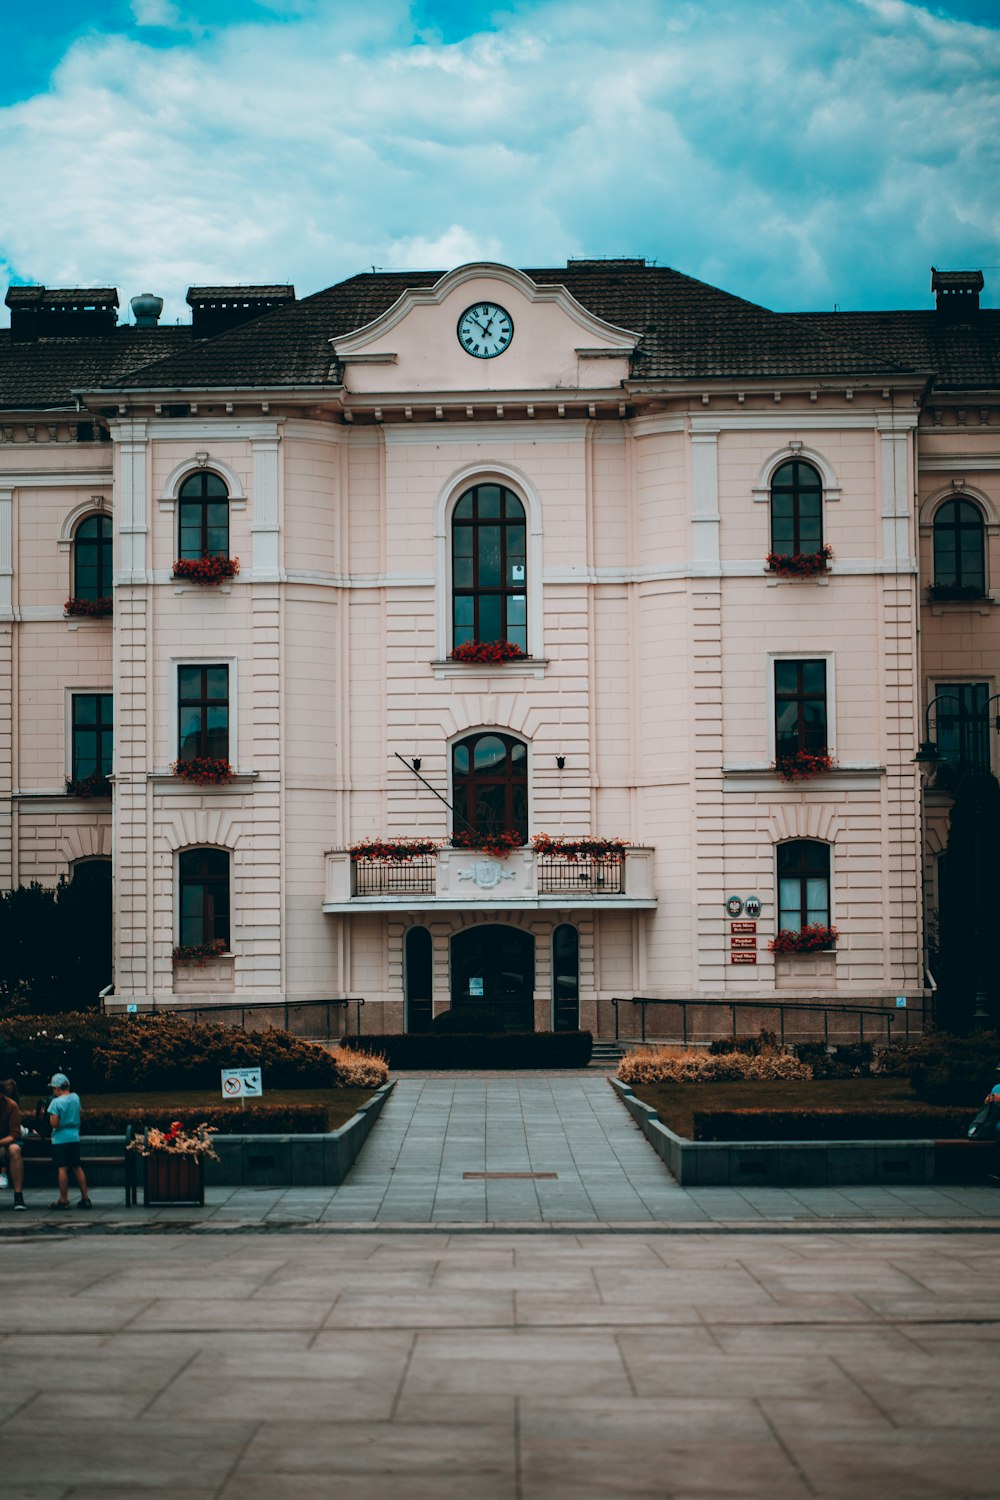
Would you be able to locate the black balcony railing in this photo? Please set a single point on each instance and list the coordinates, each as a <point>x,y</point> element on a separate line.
<point>393,877</point>
<point>601,877</point>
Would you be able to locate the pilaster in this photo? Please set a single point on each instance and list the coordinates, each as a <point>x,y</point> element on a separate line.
<point>265,524</point>
<point>705,518</point>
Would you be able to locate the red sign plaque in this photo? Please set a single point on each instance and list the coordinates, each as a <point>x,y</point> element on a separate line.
<point>742,958</point>
<point>744,942</point>
<point>743,927</point>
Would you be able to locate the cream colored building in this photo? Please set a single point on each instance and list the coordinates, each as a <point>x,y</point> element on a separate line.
<point>591,462</point>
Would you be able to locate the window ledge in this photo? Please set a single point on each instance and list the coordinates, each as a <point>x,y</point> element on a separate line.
<point>238,778</point>
<point>980,606</point>
<point>76,622</point>
<point>183,587</point>
<point>529,666</point>
<point>842,768</point>
<point>849,776</point>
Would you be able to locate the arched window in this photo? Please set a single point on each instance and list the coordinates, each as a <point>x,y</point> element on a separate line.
<point>92,558</point>
<point>960,547</point>
<point>489,567</point>
<point>203,509</point>
<point>204,896</point>
<point>803,884</point>
<point>796,508</point>
<point>490,784</point>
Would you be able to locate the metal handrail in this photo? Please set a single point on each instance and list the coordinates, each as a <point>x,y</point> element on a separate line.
<point>781,1006</point>
<point>199,1011</point>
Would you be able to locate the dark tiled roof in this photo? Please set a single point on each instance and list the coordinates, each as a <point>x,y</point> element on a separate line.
<point>45,374</point>
<point>687,331</point>
<point>964,356</point>
<point>241,293</point>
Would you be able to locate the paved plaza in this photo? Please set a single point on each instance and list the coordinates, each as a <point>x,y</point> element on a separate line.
<point>424,1334</point>
<point>551,1366</point>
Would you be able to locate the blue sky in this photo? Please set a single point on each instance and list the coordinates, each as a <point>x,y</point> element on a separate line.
<point>801,153</point>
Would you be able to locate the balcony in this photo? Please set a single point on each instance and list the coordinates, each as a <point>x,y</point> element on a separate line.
<point>457,879</point>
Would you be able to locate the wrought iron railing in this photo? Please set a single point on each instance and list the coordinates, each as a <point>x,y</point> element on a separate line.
<point>603,877</point>
<point>391,877</point>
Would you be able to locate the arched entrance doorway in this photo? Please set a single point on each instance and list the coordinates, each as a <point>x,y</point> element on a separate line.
<point>493,968</point>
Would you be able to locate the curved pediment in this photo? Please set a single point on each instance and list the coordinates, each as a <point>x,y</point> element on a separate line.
<point>415,345</point>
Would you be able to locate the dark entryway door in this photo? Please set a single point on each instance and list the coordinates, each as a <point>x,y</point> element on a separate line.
<point>418,973</point>
<point>493,968</point>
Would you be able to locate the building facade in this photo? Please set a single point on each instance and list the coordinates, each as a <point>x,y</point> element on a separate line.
<point>739,561</point>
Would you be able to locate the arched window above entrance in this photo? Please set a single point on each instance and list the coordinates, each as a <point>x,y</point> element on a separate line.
<point>490,784</point>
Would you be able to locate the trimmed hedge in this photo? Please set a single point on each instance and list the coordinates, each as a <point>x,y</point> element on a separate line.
<point>530,1049</point>
<point>830,1125</point>
<point>103,1054</point>
<point>255,1119</point>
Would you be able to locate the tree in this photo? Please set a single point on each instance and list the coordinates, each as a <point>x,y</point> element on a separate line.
<point>55,944</point>
<point>970,883</point>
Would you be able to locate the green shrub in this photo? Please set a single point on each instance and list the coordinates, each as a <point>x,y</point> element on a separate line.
<point>829,1125</point>
<point>955,1069</point>
<point>696,1065</point>
<point>750,1046</point>
<point>532,1049</point>
<point>160,1051</point>
<point>849,1060</point>
<point>227,1119</point>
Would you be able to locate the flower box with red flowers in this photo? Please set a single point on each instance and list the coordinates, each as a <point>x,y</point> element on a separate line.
<point>95,785</point>
<point>392,851</point>
<point>800,564</point>
<point>813,938</point>
<point>498,844</point>
<point>955,593</point>
<point>587,846</point>
<point>206,569</point>
<point>203,770</point>
<point>200,954</point>
<point>803,765</point>
<point>487,653</point>
<point>90,609</point>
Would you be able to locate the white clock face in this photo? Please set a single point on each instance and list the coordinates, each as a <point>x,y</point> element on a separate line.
<point>485,330</point>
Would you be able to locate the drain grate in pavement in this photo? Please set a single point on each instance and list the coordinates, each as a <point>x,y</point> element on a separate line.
<point>508,1176</point>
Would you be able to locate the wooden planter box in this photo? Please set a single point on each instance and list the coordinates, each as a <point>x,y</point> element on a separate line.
<point>172,1177</point>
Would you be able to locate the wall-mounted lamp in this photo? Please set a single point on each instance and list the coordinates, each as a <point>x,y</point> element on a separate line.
<point>561,761</point>
<point>415,762</point>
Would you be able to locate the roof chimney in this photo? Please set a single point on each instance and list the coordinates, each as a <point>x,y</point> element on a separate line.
<point>146,310</point>
<point>38,312</point>
<point>216,309</point>
<point>957,293</point>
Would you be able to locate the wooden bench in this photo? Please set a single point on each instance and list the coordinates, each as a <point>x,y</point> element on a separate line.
<point>963,1160</point>
<point>36,1152</point>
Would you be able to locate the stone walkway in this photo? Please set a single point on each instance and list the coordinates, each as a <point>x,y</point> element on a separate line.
<point>372,1366</point>
<point>599,1171</point>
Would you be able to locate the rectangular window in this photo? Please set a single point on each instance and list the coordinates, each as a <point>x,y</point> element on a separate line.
<point>800,711</point>
<point>203,712</point>
<point>963,723</point>
<point>93,735</point>
<point>803,884</point>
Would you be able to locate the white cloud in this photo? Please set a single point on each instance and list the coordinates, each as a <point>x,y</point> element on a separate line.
<point>155,13</point>
<point>797,166</point>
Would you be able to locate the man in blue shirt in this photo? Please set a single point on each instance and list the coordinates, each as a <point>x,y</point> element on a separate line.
<point>64,1117</point>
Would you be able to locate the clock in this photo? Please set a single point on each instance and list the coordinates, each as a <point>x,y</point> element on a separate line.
<point>485,330</point>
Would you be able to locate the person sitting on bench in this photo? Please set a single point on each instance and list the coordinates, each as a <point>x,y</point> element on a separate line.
<point>11,1160</point>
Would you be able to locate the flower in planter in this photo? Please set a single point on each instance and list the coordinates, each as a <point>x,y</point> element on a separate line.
<point>498,844</point>
<point>803,765</point>
<point>586,846</point>
<point>491,652</point>
<point>203,770</point>
<point>800,564</point>
<point>177,1141</point>
<point>200,954</point>
<point>396,851</point>
<point>94,785</point>
<point>92,609</point>
<point>206,569</point>
<point>956,591</point>
<point>813,938</point>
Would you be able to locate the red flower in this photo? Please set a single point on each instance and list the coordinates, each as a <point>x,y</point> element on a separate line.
<point>203,770</point>
<point>586,846</point>
<point>206,569</point>
<point>803,765</point>
<point>199,953</point>
<point>490,652</point>
<point>94,609</point>
<point>800,564</point>
<point>398,851</point>
<point>812,938</point>
<point>499,844</point>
